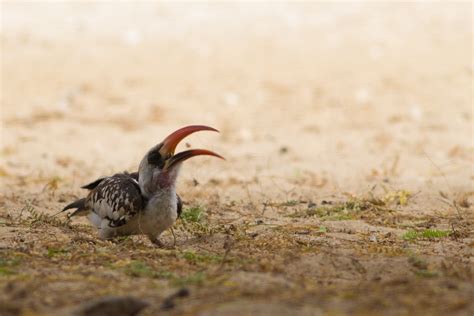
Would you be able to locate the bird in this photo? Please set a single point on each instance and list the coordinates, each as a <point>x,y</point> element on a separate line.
<point>142,202</point>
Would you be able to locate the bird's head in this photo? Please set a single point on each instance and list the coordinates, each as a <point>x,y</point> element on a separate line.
<point>160,166</point>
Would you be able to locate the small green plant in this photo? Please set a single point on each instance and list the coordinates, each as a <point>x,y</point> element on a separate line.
<point>434,233</point>
<point>194,221</point>
<point>427,233</point>
<point>165,274</point>
<point>190,256</point>
<point>322,229</point>
<point>52,252</point>
<point>192,214</point>
<point>7,266</point>
<point>207,258</point>
<point>122,238</point>
<point>410,235</point>
<point>140,269</point>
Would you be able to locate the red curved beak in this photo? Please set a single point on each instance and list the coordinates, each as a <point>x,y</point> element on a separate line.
<point>171,142</point>
<point>182,156</point>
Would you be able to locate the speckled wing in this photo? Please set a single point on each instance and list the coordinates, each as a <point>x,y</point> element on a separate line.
<point>94,184</point>
<point>117,199</point>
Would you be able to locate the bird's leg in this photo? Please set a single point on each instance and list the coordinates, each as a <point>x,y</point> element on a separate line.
<point>156,241</point>
<point>174,237</point>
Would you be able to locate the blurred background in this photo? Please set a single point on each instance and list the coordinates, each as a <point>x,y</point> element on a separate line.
<point>311,98</point>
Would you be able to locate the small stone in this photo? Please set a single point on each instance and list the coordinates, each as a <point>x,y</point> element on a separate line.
<point>312,204</point>
<point>169,303</point>
<point>111,305</point>
<point>183,292</point>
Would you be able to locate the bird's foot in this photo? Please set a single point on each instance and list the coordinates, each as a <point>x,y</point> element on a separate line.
<point>159,244</point>
<point>156,242</point>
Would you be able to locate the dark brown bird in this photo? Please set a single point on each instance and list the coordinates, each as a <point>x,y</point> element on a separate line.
<point>143,202</point>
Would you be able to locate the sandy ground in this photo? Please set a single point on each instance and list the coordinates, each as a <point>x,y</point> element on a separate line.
<point>348,134</point>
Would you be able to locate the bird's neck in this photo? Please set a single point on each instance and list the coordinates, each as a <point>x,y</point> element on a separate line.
<point>162,196</point>
<point>157,183</point>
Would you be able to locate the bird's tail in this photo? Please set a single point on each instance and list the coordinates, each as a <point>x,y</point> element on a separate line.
<point>79,205</point>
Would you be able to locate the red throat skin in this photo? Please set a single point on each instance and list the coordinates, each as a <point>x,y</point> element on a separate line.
<point>167,178</point>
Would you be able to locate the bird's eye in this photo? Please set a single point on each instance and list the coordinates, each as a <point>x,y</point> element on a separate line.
<point>154,158</point>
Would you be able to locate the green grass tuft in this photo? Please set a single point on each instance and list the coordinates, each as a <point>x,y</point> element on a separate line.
<point>206,258</point>
<point>7,266</point>
<point>52,252</point>
<point>412,235</point>
<point>322,229</point>
<point>193,214</point>
<point>192,279</point>
<point>434,233</point>
<point>141,269</point>
<point>194,220</point>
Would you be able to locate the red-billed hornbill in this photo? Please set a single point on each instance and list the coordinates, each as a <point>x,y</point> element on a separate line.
<point>143,202</point>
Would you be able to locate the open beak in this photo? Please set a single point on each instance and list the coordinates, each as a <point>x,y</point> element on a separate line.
<point>171,142</point>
